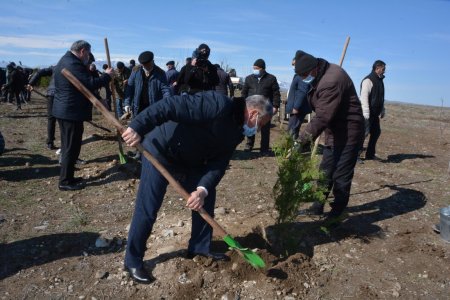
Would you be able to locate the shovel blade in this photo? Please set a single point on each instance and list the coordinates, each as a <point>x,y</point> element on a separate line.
<point>251,257</point>
<point>122,159</point>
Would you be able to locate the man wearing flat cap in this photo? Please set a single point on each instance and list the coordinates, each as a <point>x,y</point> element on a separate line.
<point>265,84</point>
<point>338,113</point>
<point>172,75</point>
<point>147,84</point>
<point>200,75</point>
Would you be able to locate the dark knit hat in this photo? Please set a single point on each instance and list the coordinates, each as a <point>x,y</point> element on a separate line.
<point>304,62</point>
<point>260,63</point>
<point>170,63</point>
<point>120,65</point>
<point>145,57</point>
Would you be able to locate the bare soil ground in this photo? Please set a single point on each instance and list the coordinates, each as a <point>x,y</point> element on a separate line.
<point>385,249</point>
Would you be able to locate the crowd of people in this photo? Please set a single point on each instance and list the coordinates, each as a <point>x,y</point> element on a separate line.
<point>192,123</point>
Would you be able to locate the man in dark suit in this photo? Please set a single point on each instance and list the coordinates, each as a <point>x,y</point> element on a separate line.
<point>265,84</point>
<point>194,136</point>
<point>71,108</point>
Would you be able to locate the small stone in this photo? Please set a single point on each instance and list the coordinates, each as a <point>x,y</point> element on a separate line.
<point>220,211</point>
<point>42,227</point>
<point>70,288</point>
<point>306,285</point>
<point>101,274</point>
<point>278,293</point>
<point>289,298</point>
<point>180,223</point>
<point>81,297</point>
<point>234,267</point>
<point>395,294</point>
<point>183,279</point>
<point>168,233</point>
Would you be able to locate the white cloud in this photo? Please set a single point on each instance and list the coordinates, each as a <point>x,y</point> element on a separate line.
<point>40,41</point>
<point>18,22</point>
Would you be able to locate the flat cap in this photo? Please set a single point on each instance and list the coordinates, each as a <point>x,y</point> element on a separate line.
<point>145,57</point>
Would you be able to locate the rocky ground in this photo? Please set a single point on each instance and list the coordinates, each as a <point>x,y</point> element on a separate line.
<point>70,245</point>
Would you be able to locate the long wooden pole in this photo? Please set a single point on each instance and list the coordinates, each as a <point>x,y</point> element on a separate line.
<point>344,51</point>
<point>113,94</point>
<point>110,118</point>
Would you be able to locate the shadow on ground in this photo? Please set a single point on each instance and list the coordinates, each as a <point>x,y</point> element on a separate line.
<point>398,158</point>
<point>304,236</point>
<point>36,251</point>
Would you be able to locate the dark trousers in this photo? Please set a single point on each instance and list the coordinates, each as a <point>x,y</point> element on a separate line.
<point>17,95</point>
<point>265,138</point>
<point>71,138</point>
<point>51,121</point>
<point>375,132</point>
<point>338,165</point>
<point>295,122</point>
<point>149,199</point>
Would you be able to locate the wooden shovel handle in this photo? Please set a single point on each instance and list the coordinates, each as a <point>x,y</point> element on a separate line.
<point>110,118</point>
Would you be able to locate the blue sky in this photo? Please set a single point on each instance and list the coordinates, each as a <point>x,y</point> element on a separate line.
<point>412,37</point>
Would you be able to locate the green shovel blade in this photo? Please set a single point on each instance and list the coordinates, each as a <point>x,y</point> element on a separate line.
<point>251,257</point>
<point>122,159</point>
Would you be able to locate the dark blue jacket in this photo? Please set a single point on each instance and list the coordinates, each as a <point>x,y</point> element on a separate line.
<point>297,97</point>
<point>157,88</point>
<point>69,103</point>
<point>198,131</point>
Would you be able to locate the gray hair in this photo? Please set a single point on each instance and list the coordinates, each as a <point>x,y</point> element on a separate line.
<point>78,45</point>
<point>261,103</point>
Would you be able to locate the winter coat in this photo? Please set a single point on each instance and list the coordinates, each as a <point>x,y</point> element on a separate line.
<point>224,83</point>
<point>297,98</point>
<point>193,79</point>
<point>69,103</point>
<point>119,78</point>
<point>266,85</point>
<point>198,131</point>
<point>16,81</point>
<point>157,88</point>
<point>338,111</point>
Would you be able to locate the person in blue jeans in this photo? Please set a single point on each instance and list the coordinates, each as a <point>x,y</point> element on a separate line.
<point>194,137</point>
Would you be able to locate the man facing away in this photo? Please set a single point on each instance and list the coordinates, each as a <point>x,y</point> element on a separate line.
<point>194,137</point>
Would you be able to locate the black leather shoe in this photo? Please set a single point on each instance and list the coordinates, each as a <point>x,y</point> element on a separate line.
<point>77,180</point>
<point>140,275</point>
<point>51,146</point>
<point>70,187</point>
<point>213,255</point>
<point>248,148</point>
